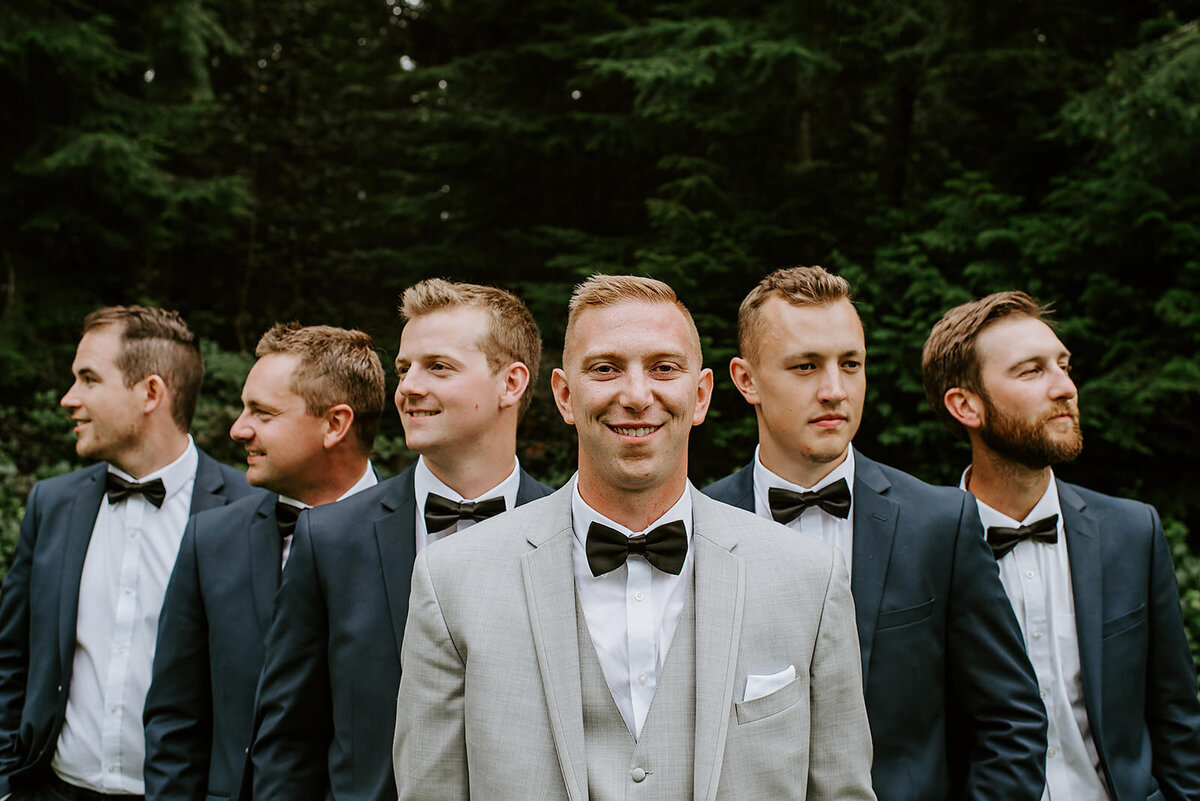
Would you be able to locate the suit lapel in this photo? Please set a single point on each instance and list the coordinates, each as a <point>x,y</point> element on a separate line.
<point>206,493</point>
<point>874,531</point>
<point>720,589</point>
<point>77,537</point>
<point>1087,587</point>
<point>395,535</point>
<point>549,576</point>
<point>265,561</point>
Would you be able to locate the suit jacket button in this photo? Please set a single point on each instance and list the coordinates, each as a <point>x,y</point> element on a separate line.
<point>638,774</point>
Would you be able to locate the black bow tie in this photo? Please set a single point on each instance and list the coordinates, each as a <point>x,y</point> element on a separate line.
<point>664,547</point>
<point>285,517</point>
<point>442,513</point>
<point>119,489</point>
<point>786,505</point>
<point>1004,539</point>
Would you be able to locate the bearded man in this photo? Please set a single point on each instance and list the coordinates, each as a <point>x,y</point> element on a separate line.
<point>1089,576</point>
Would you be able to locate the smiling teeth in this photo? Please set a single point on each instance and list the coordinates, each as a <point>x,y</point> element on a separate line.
<point>637,432</point>
<point>416,413</point>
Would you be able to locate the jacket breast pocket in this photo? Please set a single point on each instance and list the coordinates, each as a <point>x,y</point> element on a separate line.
<point>905,617</point>
<point>770,704</point>
<point>1124,622</point>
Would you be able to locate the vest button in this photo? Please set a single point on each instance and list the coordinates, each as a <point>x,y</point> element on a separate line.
<point>638,774</point>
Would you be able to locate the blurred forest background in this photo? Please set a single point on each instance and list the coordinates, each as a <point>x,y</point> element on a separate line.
<point>246,162</point>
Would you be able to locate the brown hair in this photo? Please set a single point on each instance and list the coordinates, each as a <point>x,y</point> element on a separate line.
<point>512,335</point>
<point>598,291</point>
<point>336,366</point>
<point>156,342</point>
<point>799,286</point>
<point>949,358</point>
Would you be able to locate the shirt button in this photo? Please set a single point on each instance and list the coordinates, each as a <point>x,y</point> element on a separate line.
<point>1037,635</point>
<point>113,709</point>
<point>1050,752</point>
<point>112,768</point>
<point>637,774</point>
<point>1028,574</point>
<point>1042,693</point>
<point>639,596</point>
<point>642,678</point>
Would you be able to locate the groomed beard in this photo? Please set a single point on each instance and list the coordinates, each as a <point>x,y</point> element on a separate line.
<point>1026,441</point>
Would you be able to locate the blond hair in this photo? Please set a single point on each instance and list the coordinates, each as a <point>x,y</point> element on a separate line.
<point>598,291</point>
<point>799,286</point>
<point>512,334</point>
<point>156,342</point>
<point>336,366</point>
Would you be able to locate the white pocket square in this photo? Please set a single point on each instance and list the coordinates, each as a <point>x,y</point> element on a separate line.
<point>759,686</point>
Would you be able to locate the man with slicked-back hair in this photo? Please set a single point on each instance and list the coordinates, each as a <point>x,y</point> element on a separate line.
<point>310,408</point>
<point>80,605</point>
<point>467,359</point>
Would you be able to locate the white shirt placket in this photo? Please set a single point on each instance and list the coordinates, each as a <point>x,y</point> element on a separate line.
<point>124,622</point>
<point>640,624</point>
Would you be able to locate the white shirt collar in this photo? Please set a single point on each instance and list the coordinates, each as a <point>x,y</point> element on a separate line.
<point>175,476</point>
<point>425,482</point>
<point>765,478</point>
<point>582,515</point>
<point>1046,506</point>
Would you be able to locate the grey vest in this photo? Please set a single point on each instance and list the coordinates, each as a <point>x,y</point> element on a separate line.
<point>659,766</point>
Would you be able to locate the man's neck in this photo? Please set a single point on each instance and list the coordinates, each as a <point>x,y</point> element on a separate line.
<point>635,509</point>
<point>337,477</point>
<point>1008,487</point>
<point>152,453</point>
<point>798,470</point>
<point>471,475</point>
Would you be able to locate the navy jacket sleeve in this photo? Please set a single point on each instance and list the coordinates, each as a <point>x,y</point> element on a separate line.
<point>291,747</point>
<point>991,674</point>
<point>14,643</point>
<point>178,712</point>
<point>1172,708</point>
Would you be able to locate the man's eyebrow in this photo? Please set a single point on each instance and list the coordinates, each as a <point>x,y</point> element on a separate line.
<point>812,354</point>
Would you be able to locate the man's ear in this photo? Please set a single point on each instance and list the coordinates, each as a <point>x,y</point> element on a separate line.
<point>964,406</point>
<point>516,384</point>
<point>562,395</point>
<point>339,420</point>
<point>743,378</point>
<point>154,393</point>
<point>704,390</point>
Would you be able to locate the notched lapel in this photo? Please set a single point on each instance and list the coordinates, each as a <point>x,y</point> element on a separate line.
<point>395,536</point>
<point>549,578</point>
<point>77,536</point>
<point>265,561</point>
<point>720,594</point>
<point>206,494</point>
<point>1087,585</point>
<point>875,517</point>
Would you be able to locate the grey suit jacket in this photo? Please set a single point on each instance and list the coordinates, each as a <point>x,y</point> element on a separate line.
<point>490,697</point>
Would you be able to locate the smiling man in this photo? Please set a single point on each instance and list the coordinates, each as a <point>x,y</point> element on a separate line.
<point>1089,576</point>
<point>950,693</point>
<point>468,355</point>
<point>628,637</point>
<point>81,602</point>
<point>311,407</point>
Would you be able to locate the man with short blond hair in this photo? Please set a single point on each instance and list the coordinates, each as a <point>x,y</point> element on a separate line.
<point>310,409</point>
<point>627,637</point>
<point>950,694</point>
<point>1089,576</point>
<point>468,355</point>
<point>80,604</point>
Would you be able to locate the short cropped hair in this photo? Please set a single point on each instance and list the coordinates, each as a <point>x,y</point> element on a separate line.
<point>799,286</point>
<point>512,334</point>
<point>949,358</point>
<point>156,342</point>
<point>599,291</point>
<point>337,365</point>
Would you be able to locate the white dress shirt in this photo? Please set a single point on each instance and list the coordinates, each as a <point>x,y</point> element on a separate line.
<point>1037,579</point>
<point>365,481</point>
<point>631,612</point>
<point>425,482</point>
<point>815,521</point>
<point>129,559</point>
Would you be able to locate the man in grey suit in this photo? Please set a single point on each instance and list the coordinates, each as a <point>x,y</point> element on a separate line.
<point>627,637</point>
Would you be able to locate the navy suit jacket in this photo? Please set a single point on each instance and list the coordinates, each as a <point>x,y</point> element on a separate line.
<point>327,700</point>
<point>943,660</point>
<point>218,607</point>
<point>1139,684</point>
<point>41,600</point>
